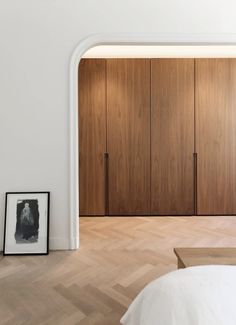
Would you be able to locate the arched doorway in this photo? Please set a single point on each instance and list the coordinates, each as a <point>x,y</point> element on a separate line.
<point>82,47</point>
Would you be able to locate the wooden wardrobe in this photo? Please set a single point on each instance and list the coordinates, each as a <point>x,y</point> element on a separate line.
<point>157,136</point>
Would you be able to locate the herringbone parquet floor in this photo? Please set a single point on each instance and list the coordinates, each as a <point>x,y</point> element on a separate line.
<point>95,285</point>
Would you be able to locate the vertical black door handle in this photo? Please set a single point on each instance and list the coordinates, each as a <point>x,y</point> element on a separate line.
<point>106,173</point>
<point>195,181</point>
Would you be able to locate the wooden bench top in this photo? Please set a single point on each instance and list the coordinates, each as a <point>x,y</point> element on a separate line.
<point>205,256</point>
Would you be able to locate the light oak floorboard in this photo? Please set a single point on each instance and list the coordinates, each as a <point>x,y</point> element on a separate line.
<point>118,256</point>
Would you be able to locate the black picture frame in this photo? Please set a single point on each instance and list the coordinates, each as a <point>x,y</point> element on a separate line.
<point>27,196</point>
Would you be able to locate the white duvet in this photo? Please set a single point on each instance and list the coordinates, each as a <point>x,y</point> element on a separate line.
<point>200,295</point>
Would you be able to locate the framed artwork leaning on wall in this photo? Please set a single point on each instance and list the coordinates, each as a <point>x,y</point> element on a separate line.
<point>26,228</point>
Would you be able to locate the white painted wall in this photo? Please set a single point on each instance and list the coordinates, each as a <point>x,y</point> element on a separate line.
<point>37,38</point>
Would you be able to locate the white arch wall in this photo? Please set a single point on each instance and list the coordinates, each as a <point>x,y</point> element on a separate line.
<point>38,120</point>
<point>124,39</point>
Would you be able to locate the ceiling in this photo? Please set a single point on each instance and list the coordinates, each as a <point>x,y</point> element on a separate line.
<point>160,51</point>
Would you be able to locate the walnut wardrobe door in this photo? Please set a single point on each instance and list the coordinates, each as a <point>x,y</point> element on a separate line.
<point>92,136</point>
<point>128,136</point>
<point>216,135</point>
<point>172,136</point>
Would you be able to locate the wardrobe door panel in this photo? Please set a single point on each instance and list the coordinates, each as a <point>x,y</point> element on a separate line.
<point>92,136</point>
<point>216,135</point>
<point>172,136</point>
<point>128,136</point>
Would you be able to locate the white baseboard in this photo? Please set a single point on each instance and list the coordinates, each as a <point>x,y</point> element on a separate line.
<point>55,243</point>
<point>59,243</point>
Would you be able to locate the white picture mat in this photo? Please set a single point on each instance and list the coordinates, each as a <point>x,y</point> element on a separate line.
<point>11,247</point>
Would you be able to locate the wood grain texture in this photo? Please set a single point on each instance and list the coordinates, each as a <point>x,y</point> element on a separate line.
<point>128,135</point>
<point>193,256</point>
<point>92,136</point>
<point>172,136</point>
<point>95,285</point>
<point>215,135</point>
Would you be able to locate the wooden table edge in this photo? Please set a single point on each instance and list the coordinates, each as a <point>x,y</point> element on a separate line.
<point>180,263</point>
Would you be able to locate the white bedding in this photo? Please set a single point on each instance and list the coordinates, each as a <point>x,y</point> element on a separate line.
<point>200,295</point>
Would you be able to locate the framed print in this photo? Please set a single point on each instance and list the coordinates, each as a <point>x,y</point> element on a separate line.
<point>26,229</point>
